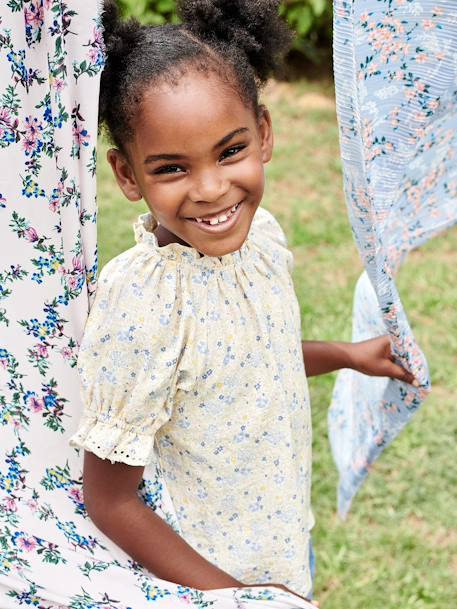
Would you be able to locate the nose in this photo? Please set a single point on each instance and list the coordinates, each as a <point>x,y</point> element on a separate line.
<point>209,186</point>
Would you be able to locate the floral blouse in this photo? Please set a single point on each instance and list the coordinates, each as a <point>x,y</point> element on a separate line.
<point>196,363</point>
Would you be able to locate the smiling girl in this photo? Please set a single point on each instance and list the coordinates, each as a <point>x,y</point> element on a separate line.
<point>192,357</point>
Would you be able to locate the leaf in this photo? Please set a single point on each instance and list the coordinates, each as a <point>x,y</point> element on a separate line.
<point>303,20</point>
<point>165,6</point>
<point>15,5</point>
<point>318,6</point>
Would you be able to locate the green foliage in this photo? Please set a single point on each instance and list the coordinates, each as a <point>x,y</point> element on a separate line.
<point>305,15</point>
<point>155,12</point>
<point>310,19</point>
<point>312,22</point>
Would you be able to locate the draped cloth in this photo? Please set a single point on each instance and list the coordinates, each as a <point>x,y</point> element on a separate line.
<point>396,88</point>
<point>51,555</point>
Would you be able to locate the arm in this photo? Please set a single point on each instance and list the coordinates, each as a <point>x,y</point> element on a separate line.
<point>373,357</point>
<point>112,502</point>
<point>110,494</point>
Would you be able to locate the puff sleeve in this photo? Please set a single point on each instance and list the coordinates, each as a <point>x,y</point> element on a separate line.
<point>128,359</point>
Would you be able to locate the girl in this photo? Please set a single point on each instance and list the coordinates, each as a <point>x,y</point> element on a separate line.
<point>192,356</point>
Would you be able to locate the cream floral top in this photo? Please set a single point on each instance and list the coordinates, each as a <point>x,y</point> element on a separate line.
<point>196,363</point>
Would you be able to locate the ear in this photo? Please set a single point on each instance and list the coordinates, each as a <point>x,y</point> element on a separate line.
<point>266,134</point>
<point>124,174</point>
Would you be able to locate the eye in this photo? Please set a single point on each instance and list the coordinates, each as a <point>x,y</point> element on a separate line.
<point>232,151</point>
<point>168,170</point>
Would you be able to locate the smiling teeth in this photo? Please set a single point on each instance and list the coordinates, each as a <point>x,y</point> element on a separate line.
<point>219,219</point>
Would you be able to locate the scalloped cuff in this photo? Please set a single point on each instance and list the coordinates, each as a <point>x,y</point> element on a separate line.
<point>118,444</point>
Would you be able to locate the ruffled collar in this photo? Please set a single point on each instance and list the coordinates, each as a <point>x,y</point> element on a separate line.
<point>176,252</point>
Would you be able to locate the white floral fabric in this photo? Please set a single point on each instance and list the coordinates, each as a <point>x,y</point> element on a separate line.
<point>396,88</point>
<point>51,554</point>
<point>195,363</point>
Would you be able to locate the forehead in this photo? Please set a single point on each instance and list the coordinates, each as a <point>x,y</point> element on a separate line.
<point>197,108</point>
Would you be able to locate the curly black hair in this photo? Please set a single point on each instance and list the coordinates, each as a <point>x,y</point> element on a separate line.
<point>242,41</point>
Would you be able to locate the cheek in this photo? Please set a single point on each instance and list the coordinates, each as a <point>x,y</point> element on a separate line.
<point>164,198</point>
<point>251,176</point>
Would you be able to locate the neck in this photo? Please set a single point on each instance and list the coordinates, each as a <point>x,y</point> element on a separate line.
<point>165,237</point>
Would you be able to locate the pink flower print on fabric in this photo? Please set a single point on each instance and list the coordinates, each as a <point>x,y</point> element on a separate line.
<point>396,102</point>
<point>51,56</point>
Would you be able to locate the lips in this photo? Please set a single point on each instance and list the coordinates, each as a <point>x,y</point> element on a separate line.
<point>218,218</point>
<point>218,222</point>
<point>221,216</point>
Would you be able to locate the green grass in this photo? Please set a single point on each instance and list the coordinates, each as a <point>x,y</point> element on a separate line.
<point>398,548</point>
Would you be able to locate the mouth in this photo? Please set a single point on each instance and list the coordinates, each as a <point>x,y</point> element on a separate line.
<point>220,222</point>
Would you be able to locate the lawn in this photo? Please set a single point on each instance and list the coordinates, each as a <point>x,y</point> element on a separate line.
<point>398,549</point>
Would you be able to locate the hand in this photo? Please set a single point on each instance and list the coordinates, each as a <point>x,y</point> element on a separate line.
<point>374,357</point>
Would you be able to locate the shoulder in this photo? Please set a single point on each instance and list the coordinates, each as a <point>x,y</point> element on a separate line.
<point>131,285</point>
<point>270,241</point>
<point>124,266</point>
<point>266,227</point>
<point>136,309</point>
<point>136,268</point>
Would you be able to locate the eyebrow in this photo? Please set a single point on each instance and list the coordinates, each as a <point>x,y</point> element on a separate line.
<point>179,157</point>
<point>225,140</point>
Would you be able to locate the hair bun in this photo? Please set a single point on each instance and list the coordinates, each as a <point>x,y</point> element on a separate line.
<point>117,33</point>
<point>252,25</point>
<point>119,38</point>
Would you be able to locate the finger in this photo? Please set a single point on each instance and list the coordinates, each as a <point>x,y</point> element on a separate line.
<point>399,373</point>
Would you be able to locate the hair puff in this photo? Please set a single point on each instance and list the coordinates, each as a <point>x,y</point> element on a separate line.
<point>254,26</point>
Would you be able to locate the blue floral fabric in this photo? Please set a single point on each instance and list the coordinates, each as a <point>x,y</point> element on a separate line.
<point>51,555</point>
<point>396,92</point>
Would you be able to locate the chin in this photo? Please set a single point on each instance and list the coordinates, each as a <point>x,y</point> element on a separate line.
<point>217,252</point>
<point>228,246</point>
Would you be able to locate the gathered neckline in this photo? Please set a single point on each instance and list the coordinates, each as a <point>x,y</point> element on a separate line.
<point>176,252</point>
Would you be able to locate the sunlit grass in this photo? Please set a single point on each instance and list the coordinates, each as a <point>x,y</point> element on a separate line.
<point>398,549</point>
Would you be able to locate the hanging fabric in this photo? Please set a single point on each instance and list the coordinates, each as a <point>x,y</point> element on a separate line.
<point>396,91</point>
<point>51,555</point>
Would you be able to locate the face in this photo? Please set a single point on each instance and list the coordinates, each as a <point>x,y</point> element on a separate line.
<point>197,158</point>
